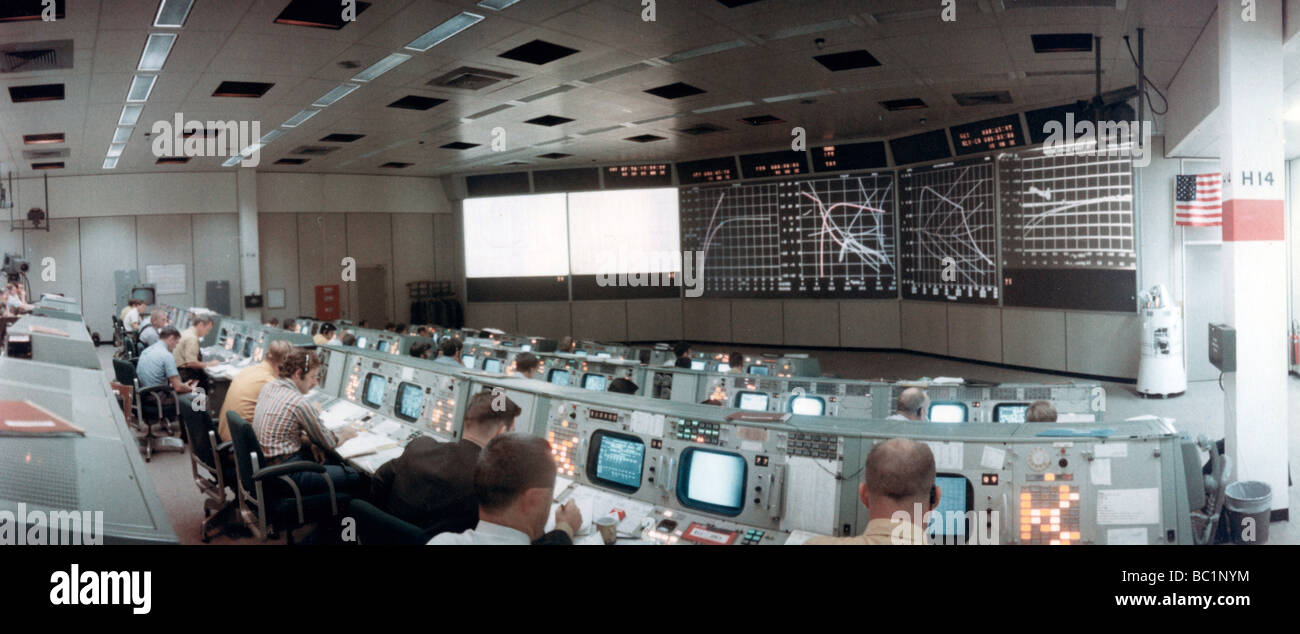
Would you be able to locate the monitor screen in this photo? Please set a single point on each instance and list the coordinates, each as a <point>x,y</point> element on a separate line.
<point>724,367</point>
<point>492,365</point>
<point>248,346</point>
<point>528,347</point>
<point>558,376</point>
<point>361,342</point>
<point>616,460</point>
<point>467,360</point>
<point>712,481</point>
<point>373,394</point>
<point>697,365</point>
<point>410,400</point>
<point>1010,412</point>
<point>752,401</point>
<point>516,236</point>
<point>757,369</point>
<point>808,405</point>
<point>949,523</point>
<point>308,329</point>
<point>596,382</point>
<point>230,342</point>
<point>581,353</point>
<point>947,413</point>
<point>239,340</point>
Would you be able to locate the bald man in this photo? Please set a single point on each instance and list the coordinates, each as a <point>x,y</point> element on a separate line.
<point>898,492</point>
<point>912,405</point>
<point>1040,412</point>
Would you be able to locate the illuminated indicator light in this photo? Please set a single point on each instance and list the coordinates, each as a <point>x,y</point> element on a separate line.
<point>1074,497</point>
<point>1026,535</point>
<point>1035,512</point>
<point>1065,505</point>
<point>1056,542</point>
<point>1025,527</point>
<point>1056,512</point>
<point>1065,488</point>
<point>1024,496</point>
<point>1043,528</point>
<point>1065,542</point>
<point>1049,477</point>
<point>1035,520</point>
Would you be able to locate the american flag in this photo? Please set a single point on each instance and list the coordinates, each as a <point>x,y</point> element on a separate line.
<point>1198,200</point>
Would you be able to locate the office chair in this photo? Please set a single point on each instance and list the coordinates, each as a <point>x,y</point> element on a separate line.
<point>148,408</point>
<point>212,466</point>
<point>266,509</point>
<point>375,526</point>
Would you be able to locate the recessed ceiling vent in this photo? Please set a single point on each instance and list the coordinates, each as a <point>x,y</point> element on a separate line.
<point>470,78</point>
<point>30,57</point>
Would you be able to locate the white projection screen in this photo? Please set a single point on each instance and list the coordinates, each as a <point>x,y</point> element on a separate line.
<point>634,230</point>
<point>516,236</point>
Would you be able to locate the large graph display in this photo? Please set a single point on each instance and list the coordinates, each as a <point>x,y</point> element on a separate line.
<point>948,232</point>
<point>1068,237</point>
<point>828,237</point>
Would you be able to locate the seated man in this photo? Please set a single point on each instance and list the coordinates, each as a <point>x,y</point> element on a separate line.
<point>348,339</point>
<point>449,352</point>
<point>528,365</point>
<point>274,323</point>
<point>16,302</point>
<point>736,363</point>
<point>421,349</point>
<point>514,483</point>
<point>431,484</point>
<point>622,386</point>
<point>422,331</point>
<point>566,345</point>
<point>325,334</point>
<point>912,405</point>
<point>241,396</point>
<point>682,352</point>
<point>157,364</point>
<point>149,333</point>
<point>290,325</point>
<point>283,417</point>
<point>899,490</point>
<point>1040,412</point>
<point>189,359</point>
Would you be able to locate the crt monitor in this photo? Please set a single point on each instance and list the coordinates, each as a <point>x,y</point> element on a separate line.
<point>361,342</point>
<point>581,353</point>
<point>239,342</point>
<point>724,367</point>
<point>410,400</point>
<point>467,360</point>
<point>593,381</point>
<point>615,461</point>
<point>950,523</point>
<point>807,405</point>
<point>947,413</point>
<point>528,347</point>
<point>146,294</point>
<point>372,393</point>
<point>712,481</point>
<point>760,370</point>
<point>697,364</point>
<point>492,365</point>
<point>1010,412</point>
<point>557,376</point>
<point>248,346</point>
<point>752,401</point>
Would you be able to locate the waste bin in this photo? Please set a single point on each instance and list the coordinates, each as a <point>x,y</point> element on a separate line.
<point>1248,505</point>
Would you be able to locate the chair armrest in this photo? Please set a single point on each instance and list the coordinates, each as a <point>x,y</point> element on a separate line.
<point>287,468</point>
<point>226,446</point>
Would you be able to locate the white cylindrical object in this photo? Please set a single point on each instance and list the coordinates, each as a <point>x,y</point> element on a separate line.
<point>1161,371</point>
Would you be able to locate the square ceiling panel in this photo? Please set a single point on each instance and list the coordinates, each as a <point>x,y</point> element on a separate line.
<point>675,91</point>
<point>538,52</point>
<point>848,60</point>
<point>416,102</point>
<point>317,14</point>
<point>549,120</point>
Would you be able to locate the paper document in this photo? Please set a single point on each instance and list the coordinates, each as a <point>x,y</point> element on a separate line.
<point>1128,506</point>
<point>798,537</point>
<point>947,455</point>
<point>1099,471</point>
<point>364,443</point>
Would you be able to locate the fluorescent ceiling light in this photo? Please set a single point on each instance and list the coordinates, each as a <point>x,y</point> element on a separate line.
<point>110,163</point>
<point>130,114</point>
<point>271,136</point>
<point>380,67</point>
<point>297,119</point>
<point>801,95</point>
<point>807,29</point>
<point>156,51</point>
<point>122,135</point>
<point>141,88</point>
<point>443,31</point>
<point>497,5</point>
<point>233,161</point>
<point>332,96</point>
<point>738,104</point>
<point>705,50</point>
<point>115,150</point>
<point>248,151</point>
<point>172,13</point>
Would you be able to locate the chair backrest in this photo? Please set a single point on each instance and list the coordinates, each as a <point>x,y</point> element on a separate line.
<point>245,441</point>
<point>374,526</point>
<point>124,371</point>
<point>197,425</point>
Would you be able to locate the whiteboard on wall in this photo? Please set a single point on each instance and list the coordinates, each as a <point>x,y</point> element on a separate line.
<point>168,279</point>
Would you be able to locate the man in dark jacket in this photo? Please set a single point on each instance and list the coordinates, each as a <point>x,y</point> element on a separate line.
<point>431,485</point>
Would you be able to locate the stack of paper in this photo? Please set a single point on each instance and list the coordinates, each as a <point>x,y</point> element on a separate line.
<point>364,443</point>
